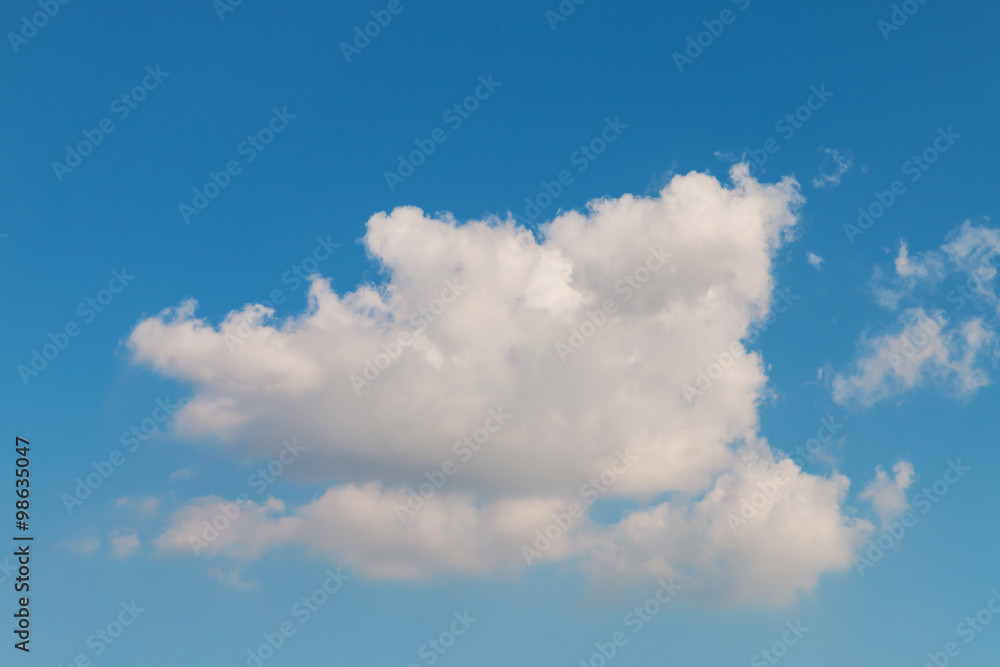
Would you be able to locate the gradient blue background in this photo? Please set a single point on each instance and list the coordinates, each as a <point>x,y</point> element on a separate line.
<point>324,176</point>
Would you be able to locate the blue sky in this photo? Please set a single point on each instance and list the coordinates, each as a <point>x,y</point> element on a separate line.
<point>590,107</point>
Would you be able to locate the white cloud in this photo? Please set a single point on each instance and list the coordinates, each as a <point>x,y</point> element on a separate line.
<point>181,474</point>
<point>907,268</point>
<point>931,349</point>
<point>124,545</point>
<point>146,505</point>
<point>832,168</point>
<point>969,251</point>
<point>451,533</point>
<point>924,350</point>
<point>84,545</point>
<point>495,346</point>
<point>910,272</point>
<point>814,260</point>
<point>787,542</point>
<point>232,577</point>
<point>973,250</point>
<point>888,494</point>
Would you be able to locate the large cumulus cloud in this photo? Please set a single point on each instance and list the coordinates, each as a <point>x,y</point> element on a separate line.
<point>583,338</point>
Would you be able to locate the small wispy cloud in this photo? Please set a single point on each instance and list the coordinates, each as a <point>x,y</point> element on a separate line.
<point>124,545</point>
<point>182,473</point>
<point>85,545</point>
<point>142,504</point>
<point>832,168</point>
<point>887,493</point>
<point>924,349</point>
<point>233,579</point>
<point>814,260</point>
